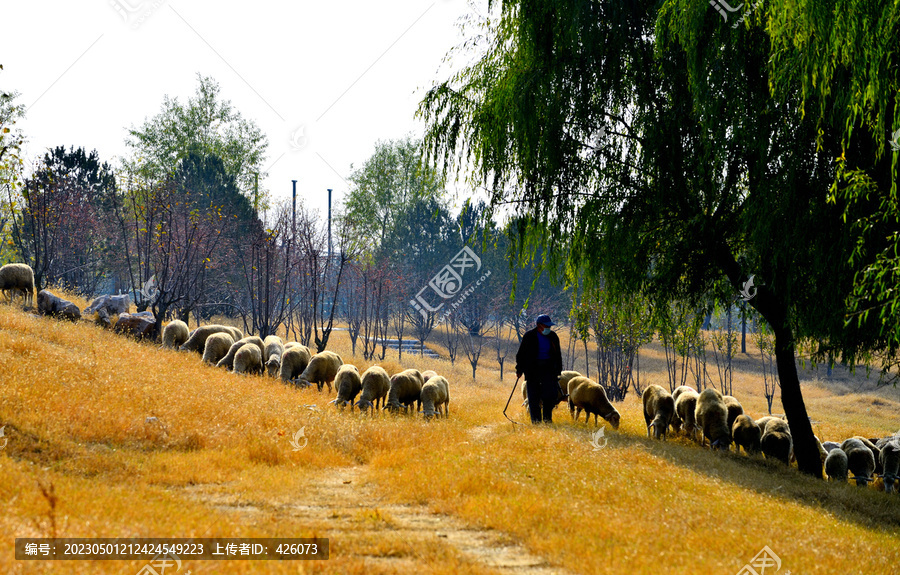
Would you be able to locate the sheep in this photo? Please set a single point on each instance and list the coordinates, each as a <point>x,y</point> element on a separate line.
<point>711,416</point>
<point>746,434</point>
<point>685,408</point>
<point>228,361</point>
<point>248,359</point>
<point>676,419</point>
<point>734,408</point>
<point>348,385</point>
<point>659,408</point>
<point>589,396</point>
<point>860,460</point>
<point>216,347</point>
<point>875,452</point>
<point>435,394</point>
<point>406,389</point>
<point>890,462</point>
<point>836,465</point>
<point>321,370</point>
<point>375,386</point>
<point>428,374</point>
<point>18,278</point>
<point>274,348</point>
<point>197,339</point>
<point>293,361</point>
<point>175,334</point>
<point>830,446</point>
<point>776,441</point>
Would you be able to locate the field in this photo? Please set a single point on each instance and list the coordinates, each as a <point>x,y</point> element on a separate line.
<point>107,437</point>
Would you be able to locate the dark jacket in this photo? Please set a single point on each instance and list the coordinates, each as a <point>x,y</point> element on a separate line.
<point>526,357</point>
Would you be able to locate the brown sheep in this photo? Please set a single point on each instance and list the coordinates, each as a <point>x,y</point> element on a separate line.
<point>685,409</point>
<point>746,434</point>
<point>406,389</point>
<point>776,441</point>
<point>589,396</point>
<point>711,417</point>
<point>659,408</point>
<point>676,418</point>
<point>860,461</point>
<point>734,408</point>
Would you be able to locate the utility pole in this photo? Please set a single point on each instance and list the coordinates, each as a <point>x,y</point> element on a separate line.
<point>294,213</point>
<point>329,224</point>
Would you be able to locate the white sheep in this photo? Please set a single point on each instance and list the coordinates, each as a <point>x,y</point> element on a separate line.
<point>216,347</point>
<point>428,374</point>
<point>676,418</point>
<point>228,361</point>
<point>248,359</point>
<point>406,389</point>
<point>746,434</point>
<point>711,416</point>
<point>274,348</point>
<point>860,460</point>
<point>836,465</point>
<point>321,370</point>
<point>435,395</point>
<point>174,334</point>
<point>589,396</point>
<point>197,339</point>
<point>18,279</point>
<point>685,408</point>
<point>293,361</point>
<point>659,408</point>
<point>348,384</point>
<point>375,386</point>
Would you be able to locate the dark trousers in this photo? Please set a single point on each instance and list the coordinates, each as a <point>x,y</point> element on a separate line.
<point>543,389</point>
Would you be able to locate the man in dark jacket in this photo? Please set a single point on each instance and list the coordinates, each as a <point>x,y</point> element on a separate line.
<point>540,359</point>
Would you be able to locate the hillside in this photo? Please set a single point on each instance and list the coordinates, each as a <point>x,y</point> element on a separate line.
<point>138,441</point>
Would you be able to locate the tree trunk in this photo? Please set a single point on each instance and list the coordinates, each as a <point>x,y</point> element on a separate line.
<point>805,450</point>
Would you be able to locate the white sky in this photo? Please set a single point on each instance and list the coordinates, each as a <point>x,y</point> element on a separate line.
<point>336,75</point>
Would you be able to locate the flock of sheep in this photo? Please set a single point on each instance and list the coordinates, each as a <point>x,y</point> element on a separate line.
<point>710,417</point>
<point>292,362</point>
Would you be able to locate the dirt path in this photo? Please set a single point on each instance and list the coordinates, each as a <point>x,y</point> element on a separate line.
<point>343,503</point>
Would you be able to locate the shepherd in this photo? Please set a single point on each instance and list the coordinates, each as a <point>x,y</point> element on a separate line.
<point>539,359</point>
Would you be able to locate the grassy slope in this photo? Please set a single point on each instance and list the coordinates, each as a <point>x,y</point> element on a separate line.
<point>75,401</point>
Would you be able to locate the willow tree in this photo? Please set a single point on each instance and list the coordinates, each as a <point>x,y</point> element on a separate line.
<point>641,141</point>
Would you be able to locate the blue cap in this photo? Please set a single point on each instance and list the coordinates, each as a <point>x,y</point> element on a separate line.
<point>545,319</point>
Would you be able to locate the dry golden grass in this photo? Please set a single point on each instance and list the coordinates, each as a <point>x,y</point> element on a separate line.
<point>79,405</point>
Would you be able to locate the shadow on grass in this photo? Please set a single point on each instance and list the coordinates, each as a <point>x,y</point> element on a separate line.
<point>867,507</point>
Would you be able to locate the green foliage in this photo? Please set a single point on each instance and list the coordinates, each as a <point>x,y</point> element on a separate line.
<point>205,125</point>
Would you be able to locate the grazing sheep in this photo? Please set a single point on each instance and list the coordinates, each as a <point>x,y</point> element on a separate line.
<point>293,361</point>
<point>776,440</point>
<point>321,370</point>
<point>348,385</point>
<point>228,361</point>
<point>197,340</point>
<point>589,396</point>
<point>274,348</point>
<point>746,434</point>
<point>830,446</point>
<point>659,408</point>
<point>17,278</point>
<point>428,374</point>
<point>375,386</point>
<point>734,408</point>
<point>175,334</point>
<point>890,463</point>
<point>248,359</point>
<point>836,465</point>
<point>685,409</point>
<point>875,452</point>
<point>676,419</point>
<point>406,389</point>
<point>216,347</point>
<point>435,395</point>
<point>711,416</point>
<point>860,460</point>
